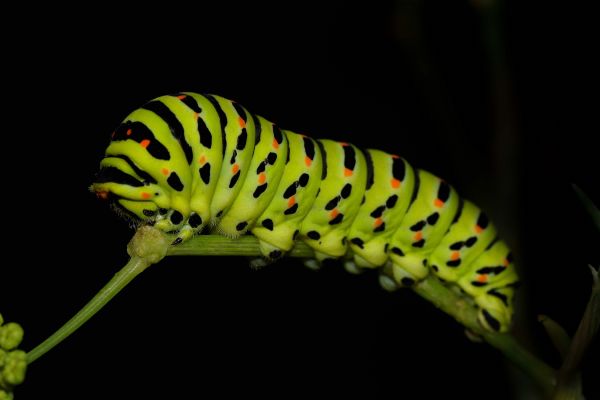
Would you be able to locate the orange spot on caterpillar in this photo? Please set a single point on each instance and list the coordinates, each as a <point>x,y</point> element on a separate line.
<point>478,229</point>
<point>482,278</point>
<point>181,96</point>
<point>275,144</point>
<point>395,156</point>
<point>438,203</point>
<point>164,171</point>
<point>395,183</point>
<point>242,122</point>
<point>291,201</point>
<point>128,132</point>
<point>103,194</point>
<point>344,144</point>
<point>506,262</point>
<point>348,172</point>
<point>377,222</point>
<point>262,177</point>
<point>235,169</point>
<point>196,116</point>
<point>334,213</point>
<point>146,195</point>
<point>307,161</point>
<point>418,236</point>
<point>202,159</point>
<point>145,143</point>
<point>455,255</point>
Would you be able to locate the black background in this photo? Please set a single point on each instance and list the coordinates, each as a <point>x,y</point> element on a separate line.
<point>409,77</point>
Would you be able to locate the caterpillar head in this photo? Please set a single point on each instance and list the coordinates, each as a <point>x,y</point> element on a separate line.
<point>130,198</point>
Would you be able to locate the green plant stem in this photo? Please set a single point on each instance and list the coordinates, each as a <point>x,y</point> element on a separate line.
<point>215,245</point>
<point>430,288</point>
<point>569,384</point>
<point>454,305</point>
<point>114,286</point>
<point>149,246</point>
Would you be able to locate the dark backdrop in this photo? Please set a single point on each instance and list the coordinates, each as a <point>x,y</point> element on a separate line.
<point>500,102</point>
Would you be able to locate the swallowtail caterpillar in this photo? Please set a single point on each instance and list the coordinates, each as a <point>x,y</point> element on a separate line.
<point>190,163</point>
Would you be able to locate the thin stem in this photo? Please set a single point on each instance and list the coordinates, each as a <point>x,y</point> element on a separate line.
<point>430,288</point>
<point>214,245</point>
<point>569,375</point>
<point>148,246</point>
<point>451,303</point>
<point>114,286</point>
<point>537,370</point>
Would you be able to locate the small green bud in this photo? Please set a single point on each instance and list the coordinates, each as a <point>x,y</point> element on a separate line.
<point>15,367</point>
<point>5,396</point>
<point>13,363</point>
<point>11,335</point>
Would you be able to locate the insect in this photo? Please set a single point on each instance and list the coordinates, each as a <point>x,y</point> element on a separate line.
<point>190,163</point>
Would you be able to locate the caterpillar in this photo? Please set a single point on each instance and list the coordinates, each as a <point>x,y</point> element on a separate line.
<point>193,163</point>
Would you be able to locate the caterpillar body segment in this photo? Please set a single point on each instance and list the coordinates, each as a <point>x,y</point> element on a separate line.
<point>334,210</point>
<point>279,224</point>
<point>389,191</point>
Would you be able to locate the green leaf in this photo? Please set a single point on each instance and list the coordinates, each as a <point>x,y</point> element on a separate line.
<point>558,335</point>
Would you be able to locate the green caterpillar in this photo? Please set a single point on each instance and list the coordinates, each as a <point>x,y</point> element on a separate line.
<point>191,163</point>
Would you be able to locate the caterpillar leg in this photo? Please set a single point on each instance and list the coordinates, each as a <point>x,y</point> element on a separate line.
<point>258,263</point>
<point>313,264</point>
<point>404,278</point>
<point>174,221</point>
<point>352,267</point>
<point>393,277</point>
<point>269,251</point>
<point>270,254</point>
<point>386,278</point>
<point>357,264</point>
<point>472,336</point>
<point>316,263</point>
<point>164,223</point>
<point>184,234</point>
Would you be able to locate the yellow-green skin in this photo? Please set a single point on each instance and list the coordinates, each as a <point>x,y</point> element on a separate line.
<point>191,163</point>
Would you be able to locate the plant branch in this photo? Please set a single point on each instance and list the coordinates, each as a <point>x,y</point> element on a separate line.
<point>149,246</point>
<point>215,245</point>
<point>430,288</point>
<point>114,286</point>
<point>569,375</point>
<point>456,306</point>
